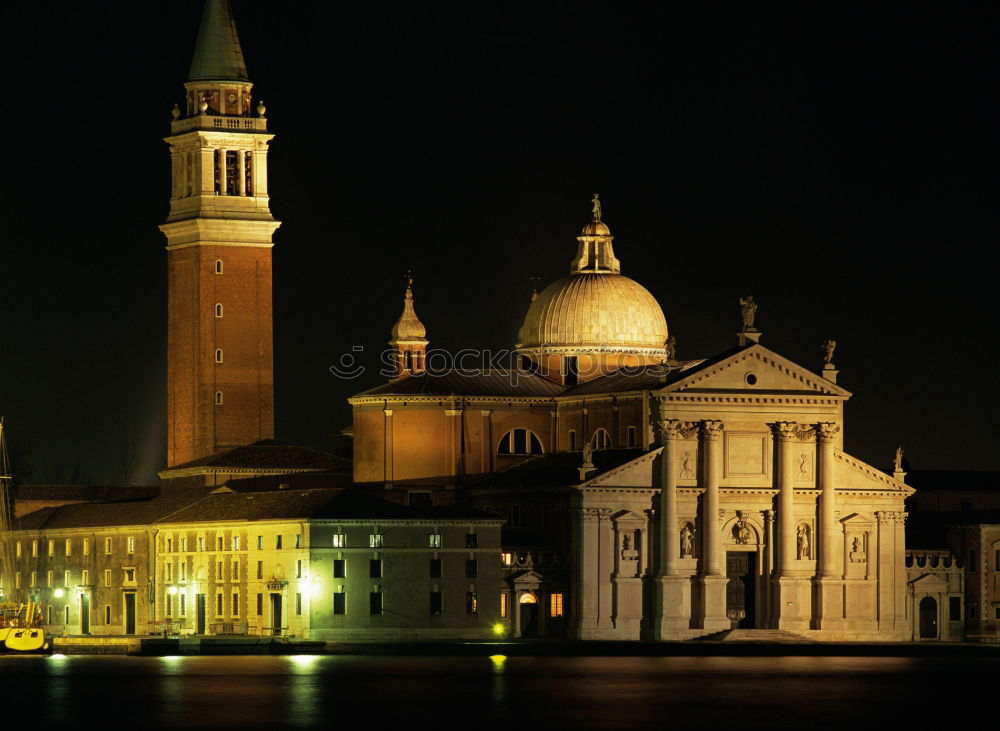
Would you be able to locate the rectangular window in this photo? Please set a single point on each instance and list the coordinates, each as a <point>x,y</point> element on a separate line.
<point>107,577</point>
<point>52,548</point>
<point>33,581</point>
<point>107,614</point>
<point>339,568</point>
<point>340,603</point>
<point>34,548</point>
<point>130,544</point>
<point>260,604</point>
<point>218,571</point>
<point>218,604</point>
<point>236,572</point>
<point>66,614</point>
<point>220,544</point>
<point>339,540</point>
<point>183,602</point>
<point>260,543</point>
<point>170,545</point>
<point>435,568</point>
<point>69,547</point>
<point>996,612</point>
<point>471,568</point>
<point>434,540</point>
<point>86,546</point>
<point>298,540</point>
<point>170,605</point>
<point>298,604</point>
<point>555,605</point>
<point>17,580</point>
<point>471,540</point>
<point>130,576</point>
<point>201,543</point>
<point>107,545</point>
<point>66,578</point>
<point>507,558</point>
<point>298,569</point>
<point>168,572</point>
<point>260,569</point>
<point>375,540</point>
<point>996,560</point>
<point>277,541</point>
<point>236,543</point>
<point>183,570</point>
<point>437,603</point>
<point>48,579</point>
<point>375,602</point>
<point>85,578</point>
<point>375,568</point>
<point>471,602</point>
<point>184,544</point>
<point>631,436</point>
<point>236,604</point>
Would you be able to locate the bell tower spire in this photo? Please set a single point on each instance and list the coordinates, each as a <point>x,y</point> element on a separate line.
<point>220,383</point>
<point>408,340</point>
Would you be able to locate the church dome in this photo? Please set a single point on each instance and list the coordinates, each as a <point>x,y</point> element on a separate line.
<point>596,228</point>
<point>408,327</point>
<point>595,312</point>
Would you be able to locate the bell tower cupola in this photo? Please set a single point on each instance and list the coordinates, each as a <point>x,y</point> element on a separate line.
<point>408,342</point>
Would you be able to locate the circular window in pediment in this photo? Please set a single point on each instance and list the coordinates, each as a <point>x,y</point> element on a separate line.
<point>750,379</point>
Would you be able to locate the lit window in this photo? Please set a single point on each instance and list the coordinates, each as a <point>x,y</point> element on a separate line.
<point>184,544</point>
<point>218,309</point>
<point>339,540</point>
<point>218,355</point>
<point>17,549</point>
<point>52,548</point>
<point>86,546</point>
<point>48,579</point>
<point>434,540</point>
<point>556,605</point>
<point>260,543</point>
<point>503,605</point>
<point>34,548</point>
<point>375,540</point>
<point>67,578</point>
<point>519,441</point>
<point>33,581</point>
<point>507,559</point>
<point>471,602</point>
<point>236,543</point>
<point>131,544</point>
<point>601,439</point>
<point>17,580</point>
<point>69,547</point>
<point>218,266</point>
<point>107,545</point>
<point>107,577</point>
<point>201,543</point>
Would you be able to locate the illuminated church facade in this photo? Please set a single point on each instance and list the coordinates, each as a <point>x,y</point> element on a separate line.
<point>647,497</point>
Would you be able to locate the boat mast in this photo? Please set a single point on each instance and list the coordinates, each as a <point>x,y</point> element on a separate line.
<point>6,522</point>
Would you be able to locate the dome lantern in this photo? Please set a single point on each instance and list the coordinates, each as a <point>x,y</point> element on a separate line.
<point>408,338</point>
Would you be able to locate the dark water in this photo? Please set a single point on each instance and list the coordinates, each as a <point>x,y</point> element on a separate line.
<point>517,692</point>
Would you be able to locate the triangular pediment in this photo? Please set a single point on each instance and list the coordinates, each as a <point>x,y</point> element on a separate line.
<point>637,473</point>
<point>754,369</point>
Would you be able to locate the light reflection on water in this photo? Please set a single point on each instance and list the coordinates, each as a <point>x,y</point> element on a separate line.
<point>617,692</point>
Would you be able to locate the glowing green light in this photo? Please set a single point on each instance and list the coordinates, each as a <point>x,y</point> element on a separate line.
<point>498,662</point>
<point>499,629</point>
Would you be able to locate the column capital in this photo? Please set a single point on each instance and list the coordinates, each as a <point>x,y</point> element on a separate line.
<point>452,412</point>
<point>675,429</point>
<point>485,412</point>
<point>826,431</point>
<point>784,431</point>
<point>387,412</point>
<point>711,429</point>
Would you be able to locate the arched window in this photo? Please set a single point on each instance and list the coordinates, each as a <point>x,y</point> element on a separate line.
<point>218,398</point>
<point>218,309</point>
<point>218,266</point>
<point>519,441</point>
<point>601,439</point>
<point>218,355</point>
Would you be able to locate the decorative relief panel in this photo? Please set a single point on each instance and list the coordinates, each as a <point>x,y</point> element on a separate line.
<point>746,455</point>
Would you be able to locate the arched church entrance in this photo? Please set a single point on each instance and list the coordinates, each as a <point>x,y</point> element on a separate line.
<point>928,618</point>
<point>528,608</point>
<point>741,595</point>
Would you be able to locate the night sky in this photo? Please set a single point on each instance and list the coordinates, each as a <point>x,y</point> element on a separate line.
<point>836,161</point>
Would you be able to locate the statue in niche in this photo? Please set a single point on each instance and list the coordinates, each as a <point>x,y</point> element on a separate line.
<point>741,533</point>
<point>803,466</point>
<point>628,553</point>
<point>748,309</point>
<point>856,545</point>
<point>803,541</point>
<point>687,541</point>
<point>626,543</point>
<point>686,470</point>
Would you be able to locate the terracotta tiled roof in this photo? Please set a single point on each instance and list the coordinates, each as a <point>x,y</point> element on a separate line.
<point>271,456</point>
<point>459,382</point>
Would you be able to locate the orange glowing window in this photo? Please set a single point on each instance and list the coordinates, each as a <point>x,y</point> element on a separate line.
<point>556,605</point>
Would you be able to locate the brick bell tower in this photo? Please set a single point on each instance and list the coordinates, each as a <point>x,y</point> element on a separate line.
<point>220,373</point>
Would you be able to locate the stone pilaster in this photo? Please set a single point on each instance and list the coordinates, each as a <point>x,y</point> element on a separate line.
<point>672,610</point>
<point>712,580</point>
<point>792,590</point>
<point>830,595</point>
<point>592,580</point>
